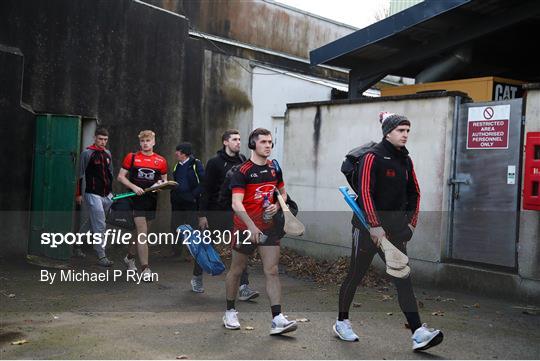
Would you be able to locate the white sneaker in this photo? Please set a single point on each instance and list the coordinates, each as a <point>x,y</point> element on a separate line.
<point>343,329</point>
<point>147,275</point>
<point>230,320</point>
<point>281,325</point>
<point>130,263</point>
<point>424,338</point>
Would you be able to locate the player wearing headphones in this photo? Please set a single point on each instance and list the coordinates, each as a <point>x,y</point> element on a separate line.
<point>254,206</point>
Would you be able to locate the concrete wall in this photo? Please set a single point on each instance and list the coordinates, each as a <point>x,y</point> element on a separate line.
<point>233,92</point>
<point>226,99</point>
<point>529,228</point>
<point>317,138</point>
<point>16,125</point>
<point>278,27</point>
<point>121,62</point>
<point>272,90</point>
<point>133,66</point>
<point>318,135</point>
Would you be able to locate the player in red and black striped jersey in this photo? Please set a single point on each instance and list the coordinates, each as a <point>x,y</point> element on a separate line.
<point>139,171</point>
<point>255,182</point>
<point>253,202</point>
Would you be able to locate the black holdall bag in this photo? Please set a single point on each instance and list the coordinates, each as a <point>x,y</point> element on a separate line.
<point>121,214</point>
<point>350,165</point>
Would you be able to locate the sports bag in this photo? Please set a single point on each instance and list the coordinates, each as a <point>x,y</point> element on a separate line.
<point>121,214</point>
<point>204,254</point>
<point>351,164</point>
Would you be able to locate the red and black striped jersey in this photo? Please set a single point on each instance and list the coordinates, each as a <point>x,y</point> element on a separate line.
<point>144,170</point>
<point>255,182</point>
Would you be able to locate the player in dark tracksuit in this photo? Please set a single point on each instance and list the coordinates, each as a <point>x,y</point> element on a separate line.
<point>96,170</point>
<point>389,196</point>
<point>216,212</point>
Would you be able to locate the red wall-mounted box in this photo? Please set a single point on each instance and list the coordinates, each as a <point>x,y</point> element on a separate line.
<point>531,189</point>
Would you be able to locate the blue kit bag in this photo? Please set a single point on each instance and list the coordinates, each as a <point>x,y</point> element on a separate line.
<point>203,253</point>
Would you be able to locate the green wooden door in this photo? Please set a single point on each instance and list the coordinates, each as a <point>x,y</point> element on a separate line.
<point>54,181</point>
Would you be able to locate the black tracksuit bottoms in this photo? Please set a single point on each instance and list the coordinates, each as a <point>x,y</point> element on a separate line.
<point>363,251</point>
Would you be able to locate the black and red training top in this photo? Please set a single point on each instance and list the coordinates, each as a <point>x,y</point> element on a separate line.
<point>389,194</point>
<point>144,170</point>
<point>255,182</point>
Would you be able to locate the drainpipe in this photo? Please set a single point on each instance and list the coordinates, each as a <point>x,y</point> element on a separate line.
<point>453,166</point>
<point>445,67</point>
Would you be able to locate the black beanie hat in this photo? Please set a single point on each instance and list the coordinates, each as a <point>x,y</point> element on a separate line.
<point>390,121</point>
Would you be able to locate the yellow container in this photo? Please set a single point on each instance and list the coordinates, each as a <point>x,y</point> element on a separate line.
<point>479,89</point>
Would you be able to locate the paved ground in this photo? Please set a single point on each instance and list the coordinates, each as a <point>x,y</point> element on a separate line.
<point>162,320</point>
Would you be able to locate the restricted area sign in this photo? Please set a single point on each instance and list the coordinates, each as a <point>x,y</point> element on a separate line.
<point>487,127</point>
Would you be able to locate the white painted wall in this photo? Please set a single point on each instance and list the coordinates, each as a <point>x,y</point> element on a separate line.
<point>313,175</point>
<point>87,132</point>
<point>272,90</point>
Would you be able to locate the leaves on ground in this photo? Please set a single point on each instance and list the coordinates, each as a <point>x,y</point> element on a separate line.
<point>324,271</point>
<point>319,271</point>
<point>249,328</point>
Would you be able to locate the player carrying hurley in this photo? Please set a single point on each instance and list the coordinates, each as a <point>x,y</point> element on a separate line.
<point>253,189</point>
<point>139,171</point>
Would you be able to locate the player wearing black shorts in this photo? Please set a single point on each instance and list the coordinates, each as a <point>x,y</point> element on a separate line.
<point>139,171</point>
<point>253,188</point>
<point>215,210</point>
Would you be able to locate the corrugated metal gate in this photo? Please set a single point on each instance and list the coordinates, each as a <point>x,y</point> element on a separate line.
<point>486,183</point>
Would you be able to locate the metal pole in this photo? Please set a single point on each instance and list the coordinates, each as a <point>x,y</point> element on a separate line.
<point>450,218</point>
